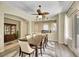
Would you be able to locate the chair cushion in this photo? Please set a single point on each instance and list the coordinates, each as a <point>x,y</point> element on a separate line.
<point>25,47</point>
<point>22,39</point>
<point>29,37</point>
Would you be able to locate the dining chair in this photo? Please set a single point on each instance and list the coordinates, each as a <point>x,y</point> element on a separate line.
<point>25,48</point>
<point>41,46</point>
<point>39,41</point>
<point>43,41</point>
<point>46,40</point>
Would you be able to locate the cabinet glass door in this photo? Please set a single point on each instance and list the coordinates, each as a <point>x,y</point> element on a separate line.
<point>13,29</point>
<point>7,29</point>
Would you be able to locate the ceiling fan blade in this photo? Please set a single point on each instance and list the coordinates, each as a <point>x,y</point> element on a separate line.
<point>34,14</point>
<point>45,13</point>
<point>41,13</point>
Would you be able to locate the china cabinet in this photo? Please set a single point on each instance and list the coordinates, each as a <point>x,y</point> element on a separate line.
<point>9,32</point>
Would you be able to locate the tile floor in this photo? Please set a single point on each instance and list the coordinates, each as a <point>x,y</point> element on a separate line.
<point>53,49</point>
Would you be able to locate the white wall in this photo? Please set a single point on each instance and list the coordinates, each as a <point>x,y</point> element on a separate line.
<point>77,32</point>
<point>61,28</point>
<point>52,36</point>
<point>71,27</point>
<point>1,30</point>
<point>66,29</point>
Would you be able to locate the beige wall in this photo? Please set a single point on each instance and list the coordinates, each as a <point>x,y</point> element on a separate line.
<point>23,24</point>
<point>14,11</point>
<point>1,30</point>
<point>24,28</point>
<point>38,26</point>
<point>15,14</point>
<point>7,9</point>
<point>31,27</point>
<point>11,21</point>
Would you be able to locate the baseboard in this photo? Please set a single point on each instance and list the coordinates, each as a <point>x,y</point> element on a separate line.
<point>9,43</point>
<point>74,52</point>
<point>61,42</point>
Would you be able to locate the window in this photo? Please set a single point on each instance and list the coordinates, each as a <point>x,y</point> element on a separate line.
<point>45,27</point>
<point>53,27</point>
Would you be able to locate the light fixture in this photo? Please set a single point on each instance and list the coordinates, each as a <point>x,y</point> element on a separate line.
<point>40,16</point>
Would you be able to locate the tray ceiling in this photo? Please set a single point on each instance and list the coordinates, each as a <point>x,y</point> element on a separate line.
<point>30,7</point>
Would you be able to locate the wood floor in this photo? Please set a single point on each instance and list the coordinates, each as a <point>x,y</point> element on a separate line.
<point>53,49</point>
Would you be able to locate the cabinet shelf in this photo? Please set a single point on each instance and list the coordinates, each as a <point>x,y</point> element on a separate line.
<point>9,32</point>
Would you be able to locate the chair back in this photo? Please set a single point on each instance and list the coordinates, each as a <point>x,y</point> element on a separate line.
<point>24,45</point>
<point>44,36</point>
<point>37,39</point>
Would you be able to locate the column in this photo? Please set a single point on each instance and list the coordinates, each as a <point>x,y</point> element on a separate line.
<point>61,28</point>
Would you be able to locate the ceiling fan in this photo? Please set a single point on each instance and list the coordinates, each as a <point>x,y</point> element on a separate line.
<point>41,13</point>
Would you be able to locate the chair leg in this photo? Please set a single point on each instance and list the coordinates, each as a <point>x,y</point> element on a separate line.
<point>43,48</point>
<point>45,44</point>
<point>33,54</point>
<point>19,51</point>
<point>29,55</point>
<point>41,51</point>
<point>22,54</point>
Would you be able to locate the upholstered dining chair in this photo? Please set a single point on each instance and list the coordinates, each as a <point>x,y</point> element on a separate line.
<point>43,41</point>
<point>25,48</point>
<point>46,40</point>
<point>37,40</point>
